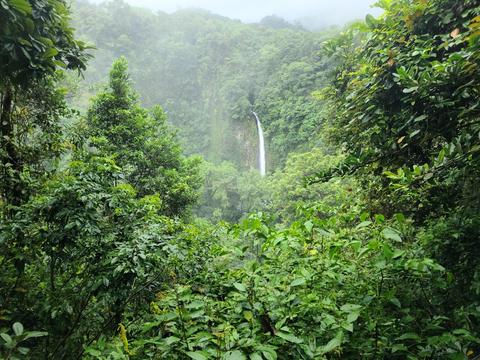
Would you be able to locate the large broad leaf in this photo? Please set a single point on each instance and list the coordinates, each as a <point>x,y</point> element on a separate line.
<point>332,344</point>
<point>93,352</point>
<point>364,224</point>
<point>240,287</point>
<point>371,21</point>
<point>353,317</point>
<point>7,338</point>
<point>289,337</point>
<point>234,355</point>
<point>267,351</point>
<point>409,336</point>
<point>298,282</point>
<point>22,6</point>
<point>171,339</point>
<point>50,52</point>
<point>196,355</point>
<point>391,234</point>
<point>309,226</point>
<point>18,328</point>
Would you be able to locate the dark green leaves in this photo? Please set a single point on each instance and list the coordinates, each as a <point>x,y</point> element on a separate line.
<point>22,6</point>
<point>371,21</point>
<point>289,337</point>
<point>28,48</point>
<point>18,328</point>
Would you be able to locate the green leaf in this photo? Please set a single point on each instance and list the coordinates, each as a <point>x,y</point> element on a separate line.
<point>267,351</point>
<point>197,304</point>
<point>255,356</point>
<point>171,340</point>
<point>93,352</point>
<point>350,307</point>
<point>420,118</point>
<point>391,234</point>
<point>352,317</point>
<point>379,218</point>
<point>248,315</point>
<point>356,245</point>
<point>289,337</point>
<point>414,133</point>
<point>400,217</point>
<point>332,344</point>
<point>50,52</point>
<point>387,252</point>
<point>240,287</point>
<point>396,302</point>
<point>197,355</point>
<point>269,355</point>
<point>23,350</point>
<point>35,334</point>
<point>463,332</point>
<point>60,63</point>
<point>309,226</point>
<point>6,337</point>
<point>409,336</point>
<point>410,90</point>
<point>371,21</point>
<point>306,273</point>
<point>364,224</point>
<point>298,282</point>
<point>399,347</point>
<point>234,355</point>
<point>348,327</point>
<point>22,6</point>
<point>18,328</point>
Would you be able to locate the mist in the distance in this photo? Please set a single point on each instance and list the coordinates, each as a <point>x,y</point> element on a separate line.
<point>320,12</point>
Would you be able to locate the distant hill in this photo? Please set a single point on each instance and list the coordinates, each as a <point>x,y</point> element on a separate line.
<point>209,72</point>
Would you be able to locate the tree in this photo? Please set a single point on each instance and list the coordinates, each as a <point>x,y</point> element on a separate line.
<point>289,193</point>
<point>142,143</point>
<point>78,253</point>
<point>412,103</point>
<point>276,22</point>
<point>35,40</point>
<point>404,105</point>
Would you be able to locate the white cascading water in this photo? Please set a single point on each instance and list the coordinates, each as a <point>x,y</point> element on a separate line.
<point>261,145</point>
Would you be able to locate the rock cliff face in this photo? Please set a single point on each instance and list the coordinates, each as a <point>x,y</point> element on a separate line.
<point>247,139</point>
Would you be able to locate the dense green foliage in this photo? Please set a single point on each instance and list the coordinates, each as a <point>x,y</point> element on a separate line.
<point>407,116</point>
<point>363,239</point>
<point>142,144</point>
<point>229,194</point>
<point>35,40</point>
<point>83,234</point>
<point>324,287</point>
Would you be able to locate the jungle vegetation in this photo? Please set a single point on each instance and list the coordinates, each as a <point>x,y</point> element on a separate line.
<point>133,221</point>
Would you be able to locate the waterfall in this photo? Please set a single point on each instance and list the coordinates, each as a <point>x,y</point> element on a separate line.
<point>261,145</point>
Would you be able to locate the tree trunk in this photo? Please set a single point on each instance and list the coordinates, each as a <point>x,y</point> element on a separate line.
<point>9,159</point>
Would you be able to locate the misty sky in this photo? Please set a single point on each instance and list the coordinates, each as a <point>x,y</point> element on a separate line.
<point>330,12</point>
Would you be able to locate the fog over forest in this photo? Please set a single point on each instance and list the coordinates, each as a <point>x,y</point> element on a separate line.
<point>316,13</point>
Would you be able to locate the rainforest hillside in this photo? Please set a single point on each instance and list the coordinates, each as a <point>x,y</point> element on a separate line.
<point>210,72</point>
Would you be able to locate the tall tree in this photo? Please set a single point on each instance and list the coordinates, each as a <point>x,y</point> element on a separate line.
<point>405,107</point>
<point>35,40</point>
<point>142,143</point>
